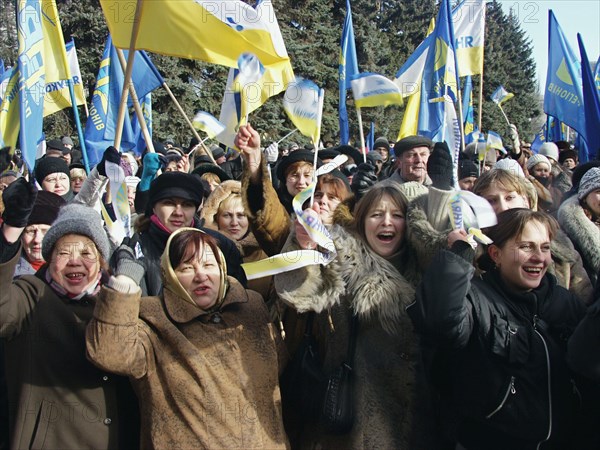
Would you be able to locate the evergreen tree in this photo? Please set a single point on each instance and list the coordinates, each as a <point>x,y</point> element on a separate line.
<point>386,32</point>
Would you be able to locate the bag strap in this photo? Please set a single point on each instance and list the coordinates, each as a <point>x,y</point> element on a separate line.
<point>352,345</point>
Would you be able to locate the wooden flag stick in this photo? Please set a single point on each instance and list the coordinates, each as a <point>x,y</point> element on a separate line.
<point>130,60</point>
<point>362,136</point>
<point>189,122</point>
<point>136,106</point>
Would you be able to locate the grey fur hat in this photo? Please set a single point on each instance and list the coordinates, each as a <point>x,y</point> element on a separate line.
<point>77,219</point>
<point>589,183</point>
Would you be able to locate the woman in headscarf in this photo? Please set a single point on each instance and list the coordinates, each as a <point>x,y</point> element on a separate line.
<point>203,356</point>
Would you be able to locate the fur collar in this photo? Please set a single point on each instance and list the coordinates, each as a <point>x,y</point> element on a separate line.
<point>582,231</point>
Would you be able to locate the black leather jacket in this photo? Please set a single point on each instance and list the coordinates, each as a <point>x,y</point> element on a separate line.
<point>498,357</point>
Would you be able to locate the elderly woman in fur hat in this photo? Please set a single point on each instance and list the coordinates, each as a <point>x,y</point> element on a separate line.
<point>202,356</point>
<point>361,296</point>
<point>57,398</point>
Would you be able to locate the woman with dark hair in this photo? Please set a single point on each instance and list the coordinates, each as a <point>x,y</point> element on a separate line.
<point>501,339</point>
<point>360,298</point>
<point>57,398</point>
<point>203,356</point>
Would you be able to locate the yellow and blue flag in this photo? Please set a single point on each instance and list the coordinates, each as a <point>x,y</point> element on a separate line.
<point>100,128</point>
<point>57,92</point>
<point>303,104</point>
<point>215,31</point>
<point>467,106</point>
<point>372,89</point>
<point>348,68</point>
<point>469,33</point>
<point>439,76</point>
<point>250,71</point>
<point>208,123</point>
<point>591,102</point>
<point>32,77</point>
<point>501,95</point>
<point>563,95</point>
<point>597,75</point>
<point>9,109</point>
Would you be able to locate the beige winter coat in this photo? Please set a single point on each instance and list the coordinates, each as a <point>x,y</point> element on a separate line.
<point>203,380</point>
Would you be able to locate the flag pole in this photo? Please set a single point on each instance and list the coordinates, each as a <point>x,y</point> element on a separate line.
<point>480,111</point>
<point>128,72</point>
<point>316,140</point>
<point>504,114</point>
<point>196,135</point>
<point>287,136</point>
<point>362,135</point>
<point>136,105</point>
<point>86,162</point>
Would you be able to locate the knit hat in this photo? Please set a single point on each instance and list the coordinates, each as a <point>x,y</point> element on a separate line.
<point>410,142</point>
<point>374,156</point>
<point>381,142</point>
<point>538,159</point>
<point>467,168</point>
<point>45,209</point>
<point>549,149</point>
<point>566,154</point>
<point>56,144</point>
<point>175,184</point>
<point>589,183</point>
<point>296,156</point>
<point>510,165</point>
<point>66,140</point>
<point>47,165</point>
<point>217,152</point>
<point>75,218</point>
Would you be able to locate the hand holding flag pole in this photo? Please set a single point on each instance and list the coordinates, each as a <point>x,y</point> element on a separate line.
<point>499,96</point>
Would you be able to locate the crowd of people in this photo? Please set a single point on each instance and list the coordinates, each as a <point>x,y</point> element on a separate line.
<point>416,335</point>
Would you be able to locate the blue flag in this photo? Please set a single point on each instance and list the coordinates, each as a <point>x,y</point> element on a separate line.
<point>439,77</point>
<point>539,139</point>
<point>348,68</point>
<point>467,106</point>
<point>591,103</point>
<point>32,77</point>
<point>597,75</point>
<point>140,142</point>
<point>563,96</point>
<point>100,128</point>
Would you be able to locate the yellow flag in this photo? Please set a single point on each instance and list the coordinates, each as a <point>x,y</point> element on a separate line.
<point>9,112</point>
<point>216,31</point>
<point>56,65</point>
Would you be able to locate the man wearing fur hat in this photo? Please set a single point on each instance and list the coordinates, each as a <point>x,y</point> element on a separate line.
<point>412,153</point>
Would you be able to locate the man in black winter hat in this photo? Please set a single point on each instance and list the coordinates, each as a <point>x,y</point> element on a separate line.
<point>412,153</point>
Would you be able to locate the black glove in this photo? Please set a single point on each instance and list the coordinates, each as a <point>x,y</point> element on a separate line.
<point>112,155</point>
<point>363,179</point>
<point>440,167</point>
<point>126,264</point>
<point>18,198</point>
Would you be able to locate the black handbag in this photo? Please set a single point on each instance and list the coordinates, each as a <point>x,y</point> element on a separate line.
<point>337,413</point>
<point>302,380</point>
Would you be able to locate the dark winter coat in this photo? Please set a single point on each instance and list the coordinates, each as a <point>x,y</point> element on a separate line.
<point>57,398</point>
<point>497,357</point>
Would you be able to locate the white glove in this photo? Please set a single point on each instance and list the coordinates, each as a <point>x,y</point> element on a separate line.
<point>514,137</point>
<point>272,152</point>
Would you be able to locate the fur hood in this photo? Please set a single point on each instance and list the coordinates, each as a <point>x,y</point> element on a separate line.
<point>584,233</point>
<point>211,206</point>
<point>371,285</point>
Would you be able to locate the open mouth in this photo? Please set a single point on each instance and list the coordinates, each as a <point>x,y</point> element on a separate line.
<point>201,290</point>
<point>75,277</point>
<point>386,236</point>
<point>533,270</point>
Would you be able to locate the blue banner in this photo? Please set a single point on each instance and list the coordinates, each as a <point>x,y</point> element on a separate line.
<point>591,102</point>
<point>348,68</point>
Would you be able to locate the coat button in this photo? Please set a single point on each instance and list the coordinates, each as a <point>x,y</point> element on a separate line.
<point>105,378</point>
<point>107,421</point>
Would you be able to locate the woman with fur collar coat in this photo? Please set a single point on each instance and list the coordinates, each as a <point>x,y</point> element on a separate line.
<point>372,277</point>
<point>579,217</point>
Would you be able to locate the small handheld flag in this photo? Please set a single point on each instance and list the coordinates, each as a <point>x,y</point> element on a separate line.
<point>208,123</point>
<point>303,103</point>
<point>501,95</point>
